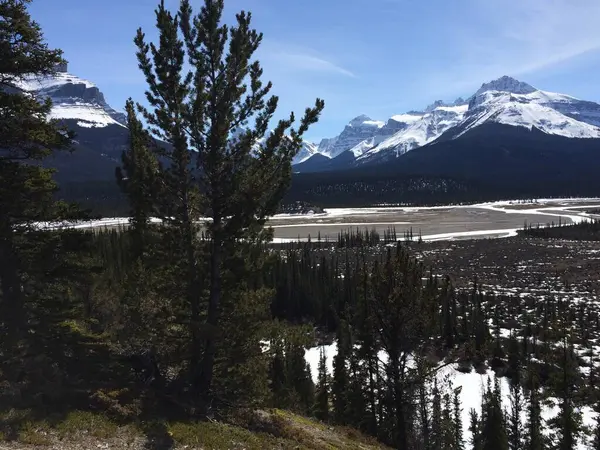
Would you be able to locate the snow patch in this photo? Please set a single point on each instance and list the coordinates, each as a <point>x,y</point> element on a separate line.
<point>406,118</point>
<point>87,115</point>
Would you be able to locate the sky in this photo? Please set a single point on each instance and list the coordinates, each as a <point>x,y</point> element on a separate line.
<point>373,57</point>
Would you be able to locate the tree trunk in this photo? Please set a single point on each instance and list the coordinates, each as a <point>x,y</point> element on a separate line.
<point>424,415</point>
<point>193,293</point>
<point>401,438</point>
<point>12,309</point>
<point>214,300</point>
<point>372,400</point>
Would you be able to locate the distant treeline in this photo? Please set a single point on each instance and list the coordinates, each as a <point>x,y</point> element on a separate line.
<point>314,191</point>
<point>368,186</point>
<point>588,230</point>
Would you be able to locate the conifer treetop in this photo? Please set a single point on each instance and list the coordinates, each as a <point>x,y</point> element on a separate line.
<point>207,99</point>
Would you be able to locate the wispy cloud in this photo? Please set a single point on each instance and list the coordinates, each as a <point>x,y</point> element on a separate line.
<point>293,59</point>
<point>517,37</point>
<point>299,61</point>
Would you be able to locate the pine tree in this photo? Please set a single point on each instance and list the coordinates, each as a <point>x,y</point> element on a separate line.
<point>534,439</point>
<point>341,377</point>
<point>596,431</point>
<point>515,427</point>
<point>493,430</point>
<point>436,419</point>
<point>458,425</point>
<point>357,401</point>
<point>406,321</point>
<point>238,179</point>
<point>137,178</point>
<point>321,409</point>
<point>27,138</point>
<point>475,430</point>
<point>277,374</point>
<point>448,426</point>
<point>568,421</point>
<point>299,378</point>
<point>424,407</point>
<point>367,347</point>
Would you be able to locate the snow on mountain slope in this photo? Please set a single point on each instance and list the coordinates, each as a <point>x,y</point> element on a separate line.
<point>359,129</point>
<point>363,133</point>
<point>419,132</point>
<point>505,100</point>
<point>87,115</point>
<point>528,111</point>
<point>581,110</point>
<point>308,149</point>
<point>362,147</point>
<point>73,98</point>
<point>406,118</point>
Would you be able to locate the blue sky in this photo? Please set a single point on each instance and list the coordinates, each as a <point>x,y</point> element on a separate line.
<point>377,57</point>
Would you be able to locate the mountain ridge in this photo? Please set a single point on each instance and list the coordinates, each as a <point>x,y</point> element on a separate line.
<point>504,100</point>
<point>556,135</point>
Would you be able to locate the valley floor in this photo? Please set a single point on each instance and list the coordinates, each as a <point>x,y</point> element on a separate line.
<point>496,219</point>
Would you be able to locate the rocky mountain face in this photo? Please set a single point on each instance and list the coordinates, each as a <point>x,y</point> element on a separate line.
<point>358,130</point>
<point>74,98</point>
<point>504,101</point>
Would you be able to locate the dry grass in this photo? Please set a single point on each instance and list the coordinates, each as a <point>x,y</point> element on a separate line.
<point>258,430</point>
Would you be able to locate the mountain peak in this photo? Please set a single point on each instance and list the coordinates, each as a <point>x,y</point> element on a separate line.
<point>358,120</point>
<point>73,98</point>
<point>434,105</point>
<point>62,67</point>
<point>506,84</point>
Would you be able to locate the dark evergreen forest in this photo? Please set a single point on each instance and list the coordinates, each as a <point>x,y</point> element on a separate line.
<point>587,230</point>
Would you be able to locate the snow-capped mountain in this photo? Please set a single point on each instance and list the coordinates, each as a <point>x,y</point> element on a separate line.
<point>429,127</point>
<point>532,110</point>
<point>359,129</point>
<point>505,101</point>
<point>308,150</point>
<point>363,134</point>
<point>74,98</point>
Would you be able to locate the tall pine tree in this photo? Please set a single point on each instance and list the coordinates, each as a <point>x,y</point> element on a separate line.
<point>214,117</point>
<point>27,138</point>
<point>321,409</point>
<point>138,178</point>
